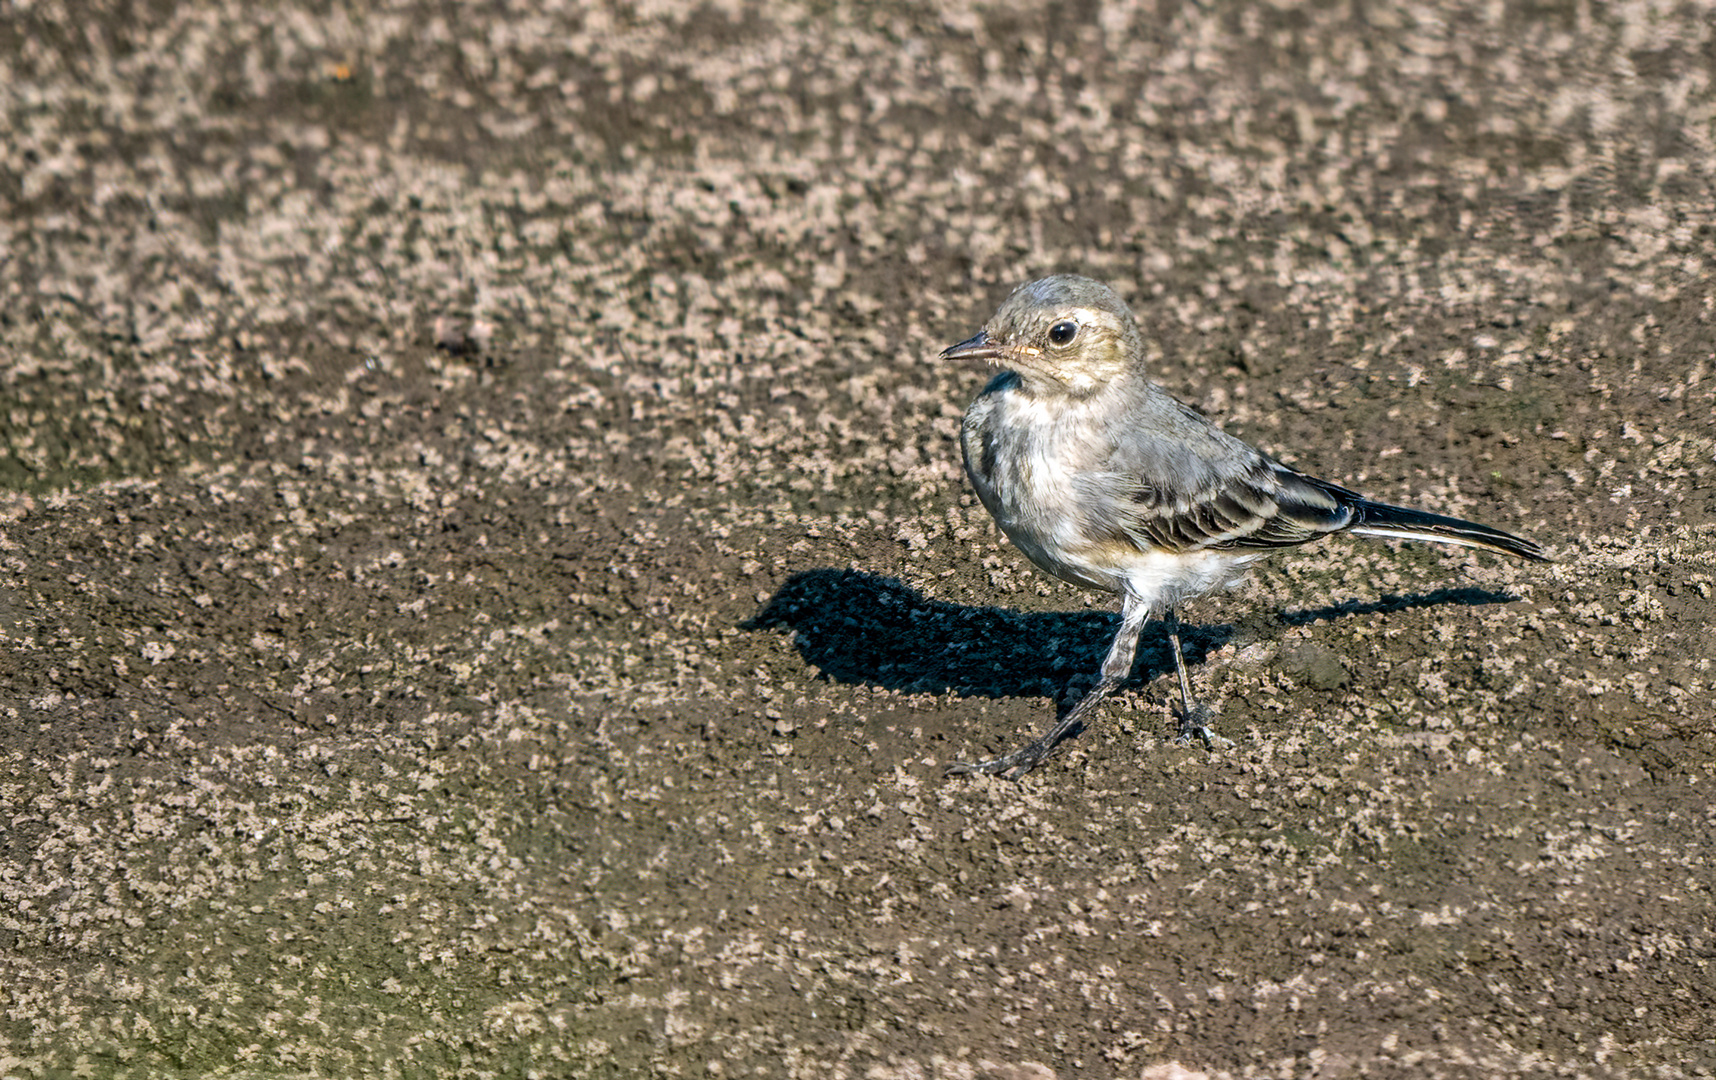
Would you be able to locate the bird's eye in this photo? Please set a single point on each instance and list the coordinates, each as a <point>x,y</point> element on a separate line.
<point>1063,331</point>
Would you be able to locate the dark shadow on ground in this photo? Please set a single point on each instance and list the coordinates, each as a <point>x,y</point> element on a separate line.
<point>1470,597</point>
<point>862,628</point>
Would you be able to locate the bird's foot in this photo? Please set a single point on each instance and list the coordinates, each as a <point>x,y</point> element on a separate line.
<point>1010,766</point>
<point>1195,722</point>
<point>1027,757</point>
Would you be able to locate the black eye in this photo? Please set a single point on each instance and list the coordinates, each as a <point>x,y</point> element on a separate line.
<point>1063,332</point>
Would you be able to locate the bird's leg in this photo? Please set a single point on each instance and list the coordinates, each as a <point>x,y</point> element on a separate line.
<point>1194,718</point>
<point>1134,613</point>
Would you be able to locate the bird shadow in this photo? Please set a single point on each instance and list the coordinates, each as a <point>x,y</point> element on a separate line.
<point>1467,597</point>
<point>862,628</point>
<point>865,629</point>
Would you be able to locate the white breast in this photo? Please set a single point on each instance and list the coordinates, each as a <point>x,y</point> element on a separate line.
<point>1032,492</point>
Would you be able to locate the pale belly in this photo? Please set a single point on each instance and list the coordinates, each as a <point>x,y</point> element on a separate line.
<point>1045,488</point>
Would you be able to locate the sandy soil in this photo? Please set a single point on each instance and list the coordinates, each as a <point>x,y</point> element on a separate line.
<point>489,587</point>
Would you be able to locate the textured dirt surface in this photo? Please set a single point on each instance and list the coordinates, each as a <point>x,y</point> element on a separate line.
<point>489,587</point>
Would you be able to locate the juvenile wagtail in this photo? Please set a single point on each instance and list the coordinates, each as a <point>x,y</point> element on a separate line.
<point>1104,480</point>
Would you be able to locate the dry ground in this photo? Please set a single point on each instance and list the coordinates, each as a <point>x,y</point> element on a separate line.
<point>489,588</point>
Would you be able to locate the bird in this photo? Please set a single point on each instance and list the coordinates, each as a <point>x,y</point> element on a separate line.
<point>1105,480</point>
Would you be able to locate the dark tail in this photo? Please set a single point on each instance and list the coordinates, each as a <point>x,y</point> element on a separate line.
<point>1380,519</point>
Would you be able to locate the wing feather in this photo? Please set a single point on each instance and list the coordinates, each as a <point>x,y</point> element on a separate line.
<point>1194,487</point>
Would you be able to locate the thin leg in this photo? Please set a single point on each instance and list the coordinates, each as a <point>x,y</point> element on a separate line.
<point>1134,613</point>
<point>1194,718</point>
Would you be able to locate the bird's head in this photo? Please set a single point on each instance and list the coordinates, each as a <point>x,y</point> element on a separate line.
<point>1065,332</point>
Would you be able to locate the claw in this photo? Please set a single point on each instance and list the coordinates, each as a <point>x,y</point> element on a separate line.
<point>1008,767</point>
<point>1196,721</point>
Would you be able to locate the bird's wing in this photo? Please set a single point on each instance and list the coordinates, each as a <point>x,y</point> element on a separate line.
<point>1180,484</point>
<point>1264,506</point>
<point>1189,486</point>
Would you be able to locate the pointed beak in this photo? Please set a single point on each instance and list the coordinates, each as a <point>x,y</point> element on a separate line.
<point>973,348</point>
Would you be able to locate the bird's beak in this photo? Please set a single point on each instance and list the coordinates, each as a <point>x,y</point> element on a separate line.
<point>973,348</point>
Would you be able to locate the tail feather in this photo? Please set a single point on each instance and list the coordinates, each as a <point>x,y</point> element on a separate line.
<point>1381,519</point>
